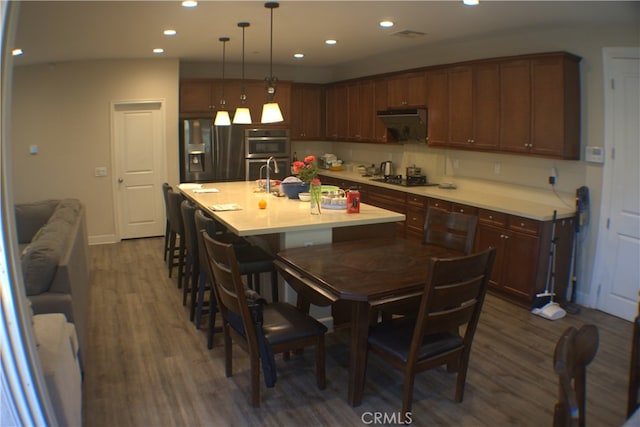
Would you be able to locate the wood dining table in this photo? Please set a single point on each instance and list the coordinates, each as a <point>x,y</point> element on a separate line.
<point>365,274</point>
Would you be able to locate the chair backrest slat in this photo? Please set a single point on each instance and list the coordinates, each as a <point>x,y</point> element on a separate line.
<point>452,230</point>
<point>453,296</point>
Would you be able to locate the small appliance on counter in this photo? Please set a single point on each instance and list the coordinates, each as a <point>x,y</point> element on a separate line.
<point>409,181</point>
<point>386,168</point>
<point>326,161</point>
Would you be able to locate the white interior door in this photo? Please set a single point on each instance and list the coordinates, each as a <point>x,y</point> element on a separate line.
<point>618,265</point>
<point>139,143</point>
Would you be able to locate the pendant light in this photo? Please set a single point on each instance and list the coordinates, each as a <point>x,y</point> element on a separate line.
<point>222,116</point>
<point>271,110</point>
<point>242,114</point>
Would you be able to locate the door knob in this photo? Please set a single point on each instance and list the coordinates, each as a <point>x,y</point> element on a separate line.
<point>120,180</point>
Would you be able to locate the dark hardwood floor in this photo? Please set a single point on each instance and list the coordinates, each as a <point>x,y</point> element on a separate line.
<point>149,366</point>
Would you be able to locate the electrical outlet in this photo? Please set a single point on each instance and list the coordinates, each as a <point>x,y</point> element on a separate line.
<point>456,163</point>
<point>496,168</point>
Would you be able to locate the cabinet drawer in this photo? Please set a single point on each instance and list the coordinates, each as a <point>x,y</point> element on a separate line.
<point>498,219</point>
<point>415,218</point>
<point>524,225</point>
<point>439,204</point>
<point>464,209</point>
<point>418,201</point>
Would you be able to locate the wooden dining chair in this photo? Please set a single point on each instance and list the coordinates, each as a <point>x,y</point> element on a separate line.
<point>451,230</point>
<point>574,350</point>
<point>443,331</point>
<point>263,330</point>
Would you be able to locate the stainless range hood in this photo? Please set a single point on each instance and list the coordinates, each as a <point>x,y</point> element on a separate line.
<point>407,126</point>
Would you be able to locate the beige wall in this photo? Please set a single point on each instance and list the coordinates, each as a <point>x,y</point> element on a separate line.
<point>64,109</point>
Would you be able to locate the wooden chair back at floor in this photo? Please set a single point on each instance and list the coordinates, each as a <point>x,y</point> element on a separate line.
<point>443,331</point>
<point>634,368</point>
<point>229,289</point>
<point>266,329</point>
<point>574,350</point>
<point>451,230</point>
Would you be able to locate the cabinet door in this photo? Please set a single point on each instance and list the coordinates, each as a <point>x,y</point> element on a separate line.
<point>354,112</point>
<point>361,113</point>
<point>520,258</point>
<point>197,97</point>
<point>379,104</point>
<point>336,111</point>
<point>306,111</point>
<point>461,107</point>
<point>438,107</point>
<point>515,106</point>
<point>489,236</point>
<point>406,90</point>
<point>555,93</point>
<point>486,106</point>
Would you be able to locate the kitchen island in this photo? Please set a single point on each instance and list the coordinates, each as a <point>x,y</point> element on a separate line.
<point>285,223</point>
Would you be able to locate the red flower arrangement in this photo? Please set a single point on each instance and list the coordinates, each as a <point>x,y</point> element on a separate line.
<point>307,170</point>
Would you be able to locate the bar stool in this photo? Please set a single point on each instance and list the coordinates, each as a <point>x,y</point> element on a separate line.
<point>252,261</point>
<point>167,230</point>
<point>177,231</point>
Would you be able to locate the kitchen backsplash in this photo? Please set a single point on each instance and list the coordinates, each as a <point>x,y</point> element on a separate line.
<point>455,165</point>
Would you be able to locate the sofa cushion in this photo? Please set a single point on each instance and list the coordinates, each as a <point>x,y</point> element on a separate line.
<point>40,259</point>
<point>30,217</point>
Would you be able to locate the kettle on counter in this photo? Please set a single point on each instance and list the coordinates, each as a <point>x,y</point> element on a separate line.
<point>386,168</point>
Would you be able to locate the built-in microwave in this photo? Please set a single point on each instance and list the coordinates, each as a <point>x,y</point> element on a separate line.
<point>264,143</point>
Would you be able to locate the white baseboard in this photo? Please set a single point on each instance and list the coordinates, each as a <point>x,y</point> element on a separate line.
<point>103,239</point>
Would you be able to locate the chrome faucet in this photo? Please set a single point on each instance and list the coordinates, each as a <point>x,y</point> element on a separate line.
<point>275,170</point>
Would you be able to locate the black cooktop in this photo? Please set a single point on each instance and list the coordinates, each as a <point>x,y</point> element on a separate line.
<point>414,181</point>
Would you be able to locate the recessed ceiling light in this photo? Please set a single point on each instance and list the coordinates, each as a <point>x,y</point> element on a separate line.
<point>298,55</point>
<point>158,50</point>
<point>17,52</point>
<point>170,32</point>
<point>330,42</point>
<point>386,24</point>
<point>189,3</point>
<point>471,2</point>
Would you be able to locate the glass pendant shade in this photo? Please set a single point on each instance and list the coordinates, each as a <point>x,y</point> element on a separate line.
<point>222,119</point>
<point>242,116</point>
<point>271,113</point>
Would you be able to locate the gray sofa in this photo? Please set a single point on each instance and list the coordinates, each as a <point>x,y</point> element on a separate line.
<point>53,238</point>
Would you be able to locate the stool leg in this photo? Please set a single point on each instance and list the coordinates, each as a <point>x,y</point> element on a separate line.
<point>167,231</point>
<point>172,249</point>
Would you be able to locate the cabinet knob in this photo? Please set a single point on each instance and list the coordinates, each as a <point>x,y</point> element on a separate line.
<point>522,224</point>
<point>490,216</point>
<point>461,210</point>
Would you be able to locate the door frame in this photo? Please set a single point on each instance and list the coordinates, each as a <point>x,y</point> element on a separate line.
<point>116,167</point>
<point>608,56</point>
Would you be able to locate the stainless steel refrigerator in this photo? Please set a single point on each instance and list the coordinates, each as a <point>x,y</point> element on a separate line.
<point>211,153</point>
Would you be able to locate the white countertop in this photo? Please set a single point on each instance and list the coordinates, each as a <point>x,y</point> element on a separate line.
<point>522,201</point>
<point>281,214</point>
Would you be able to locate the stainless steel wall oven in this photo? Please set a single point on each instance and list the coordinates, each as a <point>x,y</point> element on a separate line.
<point>260,144</point>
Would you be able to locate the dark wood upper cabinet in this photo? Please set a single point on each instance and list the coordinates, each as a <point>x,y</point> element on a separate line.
<point>540,106</point>
<point>336,111</point>
<point>474,106</point>
<point>515,106</point>
<point>360,110</point>
<point>197,96</point>
<point>555,106</point>
<point>529,104</point>
<point>306,111</point>
<point>406,90</point>
<point>438,107</point>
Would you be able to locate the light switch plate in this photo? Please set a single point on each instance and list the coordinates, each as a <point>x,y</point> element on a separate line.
<point>594,154</point>
<point>101,171</point>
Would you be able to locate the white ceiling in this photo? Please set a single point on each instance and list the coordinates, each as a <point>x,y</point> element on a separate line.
<point>55,31</point>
